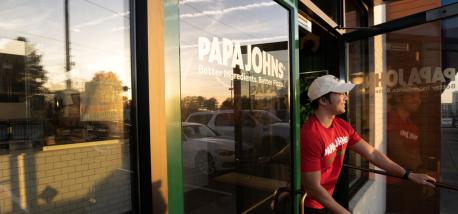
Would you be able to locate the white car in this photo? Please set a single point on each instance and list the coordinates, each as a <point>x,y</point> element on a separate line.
<point>262,129</point>
<point>206,151</point>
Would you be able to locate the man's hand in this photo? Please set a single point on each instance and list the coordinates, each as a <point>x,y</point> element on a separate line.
<point>422,179</point>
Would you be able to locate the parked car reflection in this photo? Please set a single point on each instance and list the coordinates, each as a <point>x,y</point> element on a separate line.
<point>262,129</point>
<point>207,151</point>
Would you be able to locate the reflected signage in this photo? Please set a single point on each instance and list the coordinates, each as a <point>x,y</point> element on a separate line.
<point>427,78</point>
<point>226,52</point>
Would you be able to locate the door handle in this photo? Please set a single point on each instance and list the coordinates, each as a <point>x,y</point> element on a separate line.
<point>275,201</point>
<point>280,195</point>
<point>303,202</point>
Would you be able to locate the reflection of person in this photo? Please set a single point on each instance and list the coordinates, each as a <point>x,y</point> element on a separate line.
<point>403,142</point>
<point>324,139</point>
<point>404,148</point>
<point>49,126</point>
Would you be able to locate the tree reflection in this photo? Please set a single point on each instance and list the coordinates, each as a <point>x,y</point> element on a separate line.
<point>192,104</point>
<point>36,75</point>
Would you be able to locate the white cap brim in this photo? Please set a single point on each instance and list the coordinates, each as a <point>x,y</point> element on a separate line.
<point>343,87</point>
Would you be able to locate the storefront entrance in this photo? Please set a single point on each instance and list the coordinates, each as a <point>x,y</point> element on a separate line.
<point>235,106</point>
<point>240,66</point>
<point>404,103</point>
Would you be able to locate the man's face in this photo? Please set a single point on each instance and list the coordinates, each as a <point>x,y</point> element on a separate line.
<point>411,101</point>
<point>336,103</point>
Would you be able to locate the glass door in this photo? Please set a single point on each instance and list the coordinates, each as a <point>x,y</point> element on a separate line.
<point>235,106</point>
<point>410,108</point>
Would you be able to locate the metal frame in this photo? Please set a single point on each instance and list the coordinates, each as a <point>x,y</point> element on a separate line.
<point>408,21</point>
<point>294,101</point>
<point>175,176</point>
<point>140,153</point>
<point>323,16</point>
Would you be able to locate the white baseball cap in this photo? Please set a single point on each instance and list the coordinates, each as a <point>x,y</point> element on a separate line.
<point>325,84</point>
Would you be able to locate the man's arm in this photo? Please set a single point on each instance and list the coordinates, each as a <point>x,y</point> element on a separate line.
<point>382,161</point>
<point>311,184</point>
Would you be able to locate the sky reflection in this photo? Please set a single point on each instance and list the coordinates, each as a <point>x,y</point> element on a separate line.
<point>99,37</point>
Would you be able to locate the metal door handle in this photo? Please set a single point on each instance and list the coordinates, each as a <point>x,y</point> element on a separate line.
<point>280,195</point>
<point>274,203</point>
<point>303,202</point>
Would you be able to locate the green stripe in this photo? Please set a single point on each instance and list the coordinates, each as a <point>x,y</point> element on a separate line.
<point>173,109</point>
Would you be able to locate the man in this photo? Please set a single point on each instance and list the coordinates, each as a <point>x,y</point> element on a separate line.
<point>324,139</point>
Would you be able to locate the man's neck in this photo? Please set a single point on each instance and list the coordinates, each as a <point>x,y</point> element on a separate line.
<point>324,117</point>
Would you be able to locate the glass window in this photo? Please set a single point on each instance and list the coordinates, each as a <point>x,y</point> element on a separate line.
<point>65,100</point>
<point>359,104</point>
<point>226,119</point>
<point>198,131</point>
<point>265,117</point>
<point>412,90</point>
<point>359,98</point>
<point>200,118</point>
<point>359,108</point>
<point>235,69</point>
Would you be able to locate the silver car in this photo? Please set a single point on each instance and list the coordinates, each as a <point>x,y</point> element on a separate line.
<point>205,150</point>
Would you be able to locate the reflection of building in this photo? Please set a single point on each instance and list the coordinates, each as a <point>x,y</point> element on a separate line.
<point>51,161</point>
<point>447,110</point>
<point>455,103</point>
<point>12,67</point>
<point>14,103</point>
<point>12,71</point>
<point>67,106</point>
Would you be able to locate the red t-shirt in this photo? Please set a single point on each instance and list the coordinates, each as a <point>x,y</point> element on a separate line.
<point>403,143</point>
<point>323,149</point>
<point>404,129</point>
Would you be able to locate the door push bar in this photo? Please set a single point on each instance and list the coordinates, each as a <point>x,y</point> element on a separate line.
<point>438,184</point>
<point>276,197</point>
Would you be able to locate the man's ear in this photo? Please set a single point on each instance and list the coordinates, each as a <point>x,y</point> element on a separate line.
<point>323,101</point>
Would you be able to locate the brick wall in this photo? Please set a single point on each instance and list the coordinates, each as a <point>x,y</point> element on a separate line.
<point>93,179</point>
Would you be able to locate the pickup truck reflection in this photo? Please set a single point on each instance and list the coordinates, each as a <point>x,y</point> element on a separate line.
<point>207,151</point>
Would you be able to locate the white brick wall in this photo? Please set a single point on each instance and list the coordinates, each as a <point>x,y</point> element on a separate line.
<point>93,179</point>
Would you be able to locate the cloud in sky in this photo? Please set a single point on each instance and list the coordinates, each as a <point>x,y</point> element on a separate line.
<point>192,1</point>
<point>228,10</point>
<point>100,20</point>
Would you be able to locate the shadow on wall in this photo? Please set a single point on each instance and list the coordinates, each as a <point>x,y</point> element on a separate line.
<point>29,184</point>
<point>159,201</point>
<point>107,196</point>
